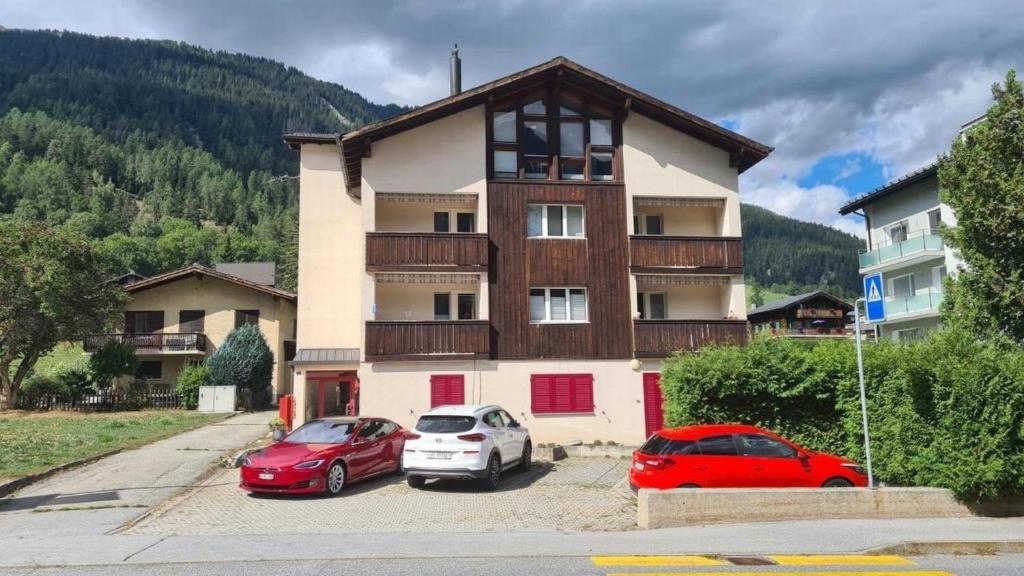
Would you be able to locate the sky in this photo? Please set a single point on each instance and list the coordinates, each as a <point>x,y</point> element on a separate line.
<point>850,94</point>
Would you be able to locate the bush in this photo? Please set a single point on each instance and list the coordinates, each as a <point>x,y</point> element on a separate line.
<point>75,378</point>
<point>39,385</point>
<point>244,360</point>
<point>191,377</point>
<point>113,360</point>
<point>945,412</point>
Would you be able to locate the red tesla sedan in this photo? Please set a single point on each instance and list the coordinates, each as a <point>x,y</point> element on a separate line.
<point>735,456</point>
<point>325,455</point>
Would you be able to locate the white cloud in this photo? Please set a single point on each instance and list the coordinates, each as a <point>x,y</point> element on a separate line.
<point>815,204</point>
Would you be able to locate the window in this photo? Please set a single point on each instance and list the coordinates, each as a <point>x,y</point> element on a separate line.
<point>554,221</point>
<point>370,431</point>
<point>505,164</point>
<point>938,275</point>
<point>761,446</point>
<point>445,424</point>
<point>601,166</point>
<point>651,306</point>
<point>467,306</point>
<point>505,126</point>
<point>897,232</point>
<point>905,336</point>
<point>145,322</point>
<point>649,224</point>
<point>190,321</point>
<point>441,223</point>
<point>243,317</point>
<point>558,305</point>
<point>493,419</point>
<point>660,446</point>
<point>442,306</point>
<point>150,370</point>
<point>508,419</point>
<point>600,132</point>
<point>902,287</point>
<point>465,222</point>
<point>934,219</point>
<point>717,446</point>
<point>447,389</point>
<point>561,393</point>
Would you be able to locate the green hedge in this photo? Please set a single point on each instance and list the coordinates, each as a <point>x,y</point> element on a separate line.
<point>945,412</point>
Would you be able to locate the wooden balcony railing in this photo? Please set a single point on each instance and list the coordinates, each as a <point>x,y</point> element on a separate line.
<point>686,254</point>
<point>820,313</point>
<point>657,338</point>
<point>155,343</point>
<point>425,251</point>
<point>427,340</point>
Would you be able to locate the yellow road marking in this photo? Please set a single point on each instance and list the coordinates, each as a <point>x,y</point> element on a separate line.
<point>887,573</point>
<point>656,561</point>
<point>847,560</point>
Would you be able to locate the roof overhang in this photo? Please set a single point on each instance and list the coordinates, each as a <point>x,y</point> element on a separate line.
<point>892,187</point>
<point>198,270</point>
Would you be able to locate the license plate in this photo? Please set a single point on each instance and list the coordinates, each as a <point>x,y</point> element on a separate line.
<point>265,476</point>
<point>439,455</point>
<point>638,465</point>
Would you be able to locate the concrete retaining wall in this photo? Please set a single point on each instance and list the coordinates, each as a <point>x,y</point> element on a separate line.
<point>686,507</point>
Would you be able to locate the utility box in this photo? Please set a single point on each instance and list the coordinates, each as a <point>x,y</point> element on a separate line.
<point>217,398</point>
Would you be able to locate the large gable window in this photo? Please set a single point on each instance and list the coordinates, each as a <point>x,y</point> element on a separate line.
<point>543,136</point>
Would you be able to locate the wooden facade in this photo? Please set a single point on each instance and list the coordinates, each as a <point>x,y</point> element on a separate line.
<point>425,251</point>
<point>660,338</point>
<point>599,262</point>
<point>427,340</point>
<point>686,254</point>
<point>815,314</point>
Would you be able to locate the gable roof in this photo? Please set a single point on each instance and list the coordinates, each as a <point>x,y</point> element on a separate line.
<point>200,271</point>
<point>744,152</point>
<point>891,187</point>
<point>791,301</point>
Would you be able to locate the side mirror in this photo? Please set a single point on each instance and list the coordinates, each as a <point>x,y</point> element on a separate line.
<point>277,435</point>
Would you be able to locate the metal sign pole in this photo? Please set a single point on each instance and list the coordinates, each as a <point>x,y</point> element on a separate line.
<point>863,393</point>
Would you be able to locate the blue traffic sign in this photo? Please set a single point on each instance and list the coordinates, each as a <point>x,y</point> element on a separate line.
<point>874,298</point>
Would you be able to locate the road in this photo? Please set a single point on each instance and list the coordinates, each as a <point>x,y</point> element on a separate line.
<point>564,565</point>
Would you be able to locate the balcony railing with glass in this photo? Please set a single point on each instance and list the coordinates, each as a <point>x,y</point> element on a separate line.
<point>916,242</point>
<point>916,304</point>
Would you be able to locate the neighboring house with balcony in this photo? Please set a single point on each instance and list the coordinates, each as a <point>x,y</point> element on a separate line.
<point>812,315</point>
<point>542,242</point>
<point>903,244</point>
<point>183,316</point>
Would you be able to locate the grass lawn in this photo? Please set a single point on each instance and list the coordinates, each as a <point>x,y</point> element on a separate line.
<point>33,442</point>
<point>64,353</point>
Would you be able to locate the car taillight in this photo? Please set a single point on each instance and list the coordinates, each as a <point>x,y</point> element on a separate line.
<point>657,463</point>
<point>472,437</point>
<point>412,436</point>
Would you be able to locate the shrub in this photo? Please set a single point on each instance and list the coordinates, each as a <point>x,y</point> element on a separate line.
<point>39,385</point>
<point>114,359</point>
<point>244,360</point>
<point>191,377</point>
<point>945,412</point>
<point>75,378</point>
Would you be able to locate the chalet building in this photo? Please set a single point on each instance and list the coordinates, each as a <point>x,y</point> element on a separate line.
<point>183,316</point>
<point>812,315</point>
<point>540,242</point>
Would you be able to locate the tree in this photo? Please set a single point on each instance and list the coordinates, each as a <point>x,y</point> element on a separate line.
<point>190,379</point>
<point>982,180</point>
<point>756,294</point>
<point>54,289</point>
<point>113,360</point>
<point>244,360</point>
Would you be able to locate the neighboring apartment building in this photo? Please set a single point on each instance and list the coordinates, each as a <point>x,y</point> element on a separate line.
<point>902,220</point>
<point>812,315</point>
<point>540,242</point>
<point>184,316</point>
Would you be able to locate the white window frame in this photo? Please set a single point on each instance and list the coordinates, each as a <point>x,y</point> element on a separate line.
<point>938,221</point>
<point>647,305</point>
<point>568,305</point>
<point>565,221</point>
<point>892,288</point>
<point>938,277</point>
<point>905,224</point>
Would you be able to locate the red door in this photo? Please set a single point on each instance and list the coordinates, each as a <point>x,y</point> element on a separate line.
<point>654,416</point>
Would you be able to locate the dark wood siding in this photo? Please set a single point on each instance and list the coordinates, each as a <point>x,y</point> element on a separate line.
<point>660,338</point>
<point>667,254</point>
<point>600,263</point>
<point>418,251</point>
<point>426,340</point>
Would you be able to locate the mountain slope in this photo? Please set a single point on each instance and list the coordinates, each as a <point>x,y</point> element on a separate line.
<point>796,256</point>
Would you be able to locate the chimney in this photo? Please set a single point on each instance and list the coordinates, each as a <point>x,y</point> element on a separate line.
<point>456,71</point>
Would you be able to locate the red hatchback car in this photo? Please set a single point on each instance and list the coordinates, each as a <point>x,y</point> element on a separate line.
<point>735,456</point>
<point>325,455</point>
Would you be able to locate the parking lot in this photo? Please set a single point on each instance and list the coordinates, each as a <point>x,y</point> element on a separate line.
<point>575,494</point>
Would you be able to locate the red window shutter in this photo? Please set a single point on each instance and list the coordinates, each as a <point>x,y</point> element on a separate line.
<point>447,389</point>
<point>583,393</point>
<point>561,393</point>
<point>540,394</point>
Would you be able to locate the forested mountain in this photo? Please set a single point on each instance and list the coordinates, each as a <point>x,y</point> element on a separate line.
<point>169,154</point>
<point>791,256</point>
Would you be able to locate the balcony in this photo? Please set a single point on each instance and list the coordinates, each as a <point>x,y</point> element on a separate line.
<point>808,332</point>
<point>686,254</point>
<point>820,313</point>
<point>427,340</point>
<point>926,304</point>
<point>155,343</point>
<point>425,252</point>
<point>659,338</point>
<point>920,245</point>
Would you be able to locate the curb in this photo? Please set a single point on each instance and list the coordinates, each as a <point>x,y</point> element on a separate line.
<point>967,547</point>
<point>15,485</point>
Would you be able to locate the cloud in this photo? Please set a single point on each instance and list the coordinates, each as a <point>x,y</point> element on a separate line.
<point>814,204</point>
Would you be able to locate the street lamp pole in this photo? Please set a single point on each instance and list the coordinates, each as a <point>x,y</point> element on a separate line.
<point>863,393</point>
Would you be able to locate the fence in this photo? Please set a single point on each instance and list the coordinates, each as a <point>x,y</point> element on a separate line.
<point>107,401</point>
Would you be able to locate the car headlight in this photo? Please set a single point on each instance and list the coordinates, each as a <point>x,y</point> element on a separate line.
<point>856,468</point>
<point>308,464</point>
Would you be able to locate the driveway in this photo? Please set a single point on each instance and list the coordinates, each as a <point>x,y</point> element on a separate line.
<point>575,494</point>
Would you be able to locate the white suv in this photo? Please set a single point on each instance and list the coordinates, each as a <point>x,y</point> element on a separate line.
<point>468,442</point>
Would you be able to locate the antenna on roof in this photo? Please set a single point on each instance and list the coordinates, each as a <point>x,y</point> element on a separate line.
<point>456,71</point>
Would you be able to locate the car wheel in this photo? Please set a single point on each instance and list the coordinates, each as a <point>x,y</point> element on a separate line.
<point>493,477</point>
<point>527,459</point>
<point>689,486</point>
<point>415,481</point>
<point>837,483</point>
<point>335,478</point>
